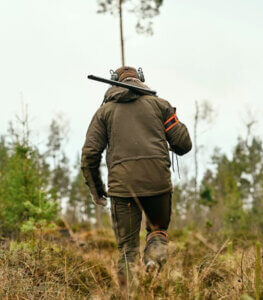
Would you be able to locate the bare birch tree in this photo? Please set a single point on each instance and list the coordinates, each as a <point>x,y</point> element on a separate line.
<point>144,10</point>
<point>203,112</point>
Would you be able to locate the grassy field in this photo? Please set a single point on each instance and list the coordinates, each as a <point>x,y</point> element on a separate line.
<point>51,265</point>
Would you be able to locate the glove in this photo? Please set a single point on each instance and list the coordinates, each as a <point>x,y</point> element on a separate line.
<point>99,200</point>
<point>99,195</point>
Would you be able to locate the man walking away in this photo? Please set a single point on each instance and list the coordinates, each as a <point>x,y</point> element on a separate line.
<point>135,129</point>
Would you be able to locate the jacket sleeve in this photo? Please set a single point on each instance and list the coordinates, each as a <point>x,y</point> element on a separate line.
<point>177,134</point>
<point>95,143</point>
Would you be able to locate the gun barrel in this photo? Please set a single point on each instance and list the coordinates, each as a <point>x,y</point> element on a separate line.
<point>134,88</point>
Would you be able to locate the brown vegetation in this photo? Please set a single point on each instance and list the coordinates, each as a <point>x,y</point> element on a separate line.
<point>54,267</point>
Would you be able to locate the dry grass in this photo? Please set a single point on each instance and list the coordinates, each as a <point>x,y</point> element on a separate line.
<point>57,268</point>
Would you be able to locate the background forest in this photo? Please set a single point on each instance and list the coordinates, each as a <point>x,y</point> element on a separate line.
<point>39,186</point>
<point>55,243</point>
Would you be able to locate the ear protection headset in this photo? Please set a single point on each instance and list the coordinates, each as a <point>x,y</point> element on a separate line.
<point>115,76</point>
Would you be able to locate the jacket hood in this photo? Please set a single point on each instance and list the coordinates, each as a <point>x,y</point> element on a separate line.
<point>122,95</point>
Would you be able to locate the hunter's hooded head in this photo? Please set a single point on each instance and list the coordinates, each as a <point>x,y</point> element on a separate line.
<point>130,76</point>
<point>125,72</point>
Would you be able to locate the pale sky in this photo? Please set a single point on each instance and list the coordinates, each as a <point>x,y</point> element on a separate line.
<point>201,49</point>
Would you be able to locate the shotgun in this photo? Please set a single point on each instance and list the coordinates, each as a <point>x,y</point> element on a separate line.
<point>136,89</point>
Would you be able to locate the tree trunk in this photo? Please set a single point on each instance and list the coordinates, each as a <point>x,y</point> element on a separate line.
<point>99,216</point>
<point>196,149</point>
<point>121,33</point>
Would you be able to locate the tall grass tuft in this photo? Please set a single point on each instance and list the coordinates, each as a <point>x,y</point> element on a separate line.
<point>258,271</point>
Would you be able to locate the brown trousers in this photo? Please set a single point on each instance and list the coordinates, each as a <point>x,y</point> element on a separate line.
<point>126,219</point>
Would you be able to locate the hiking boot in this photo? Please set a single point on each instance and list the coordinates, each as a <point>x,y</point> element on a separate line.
<point>152,267</point>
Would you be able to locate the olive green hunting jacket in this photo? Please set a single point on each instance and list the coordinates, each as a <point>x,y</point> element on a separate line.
<point>134,130</point>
